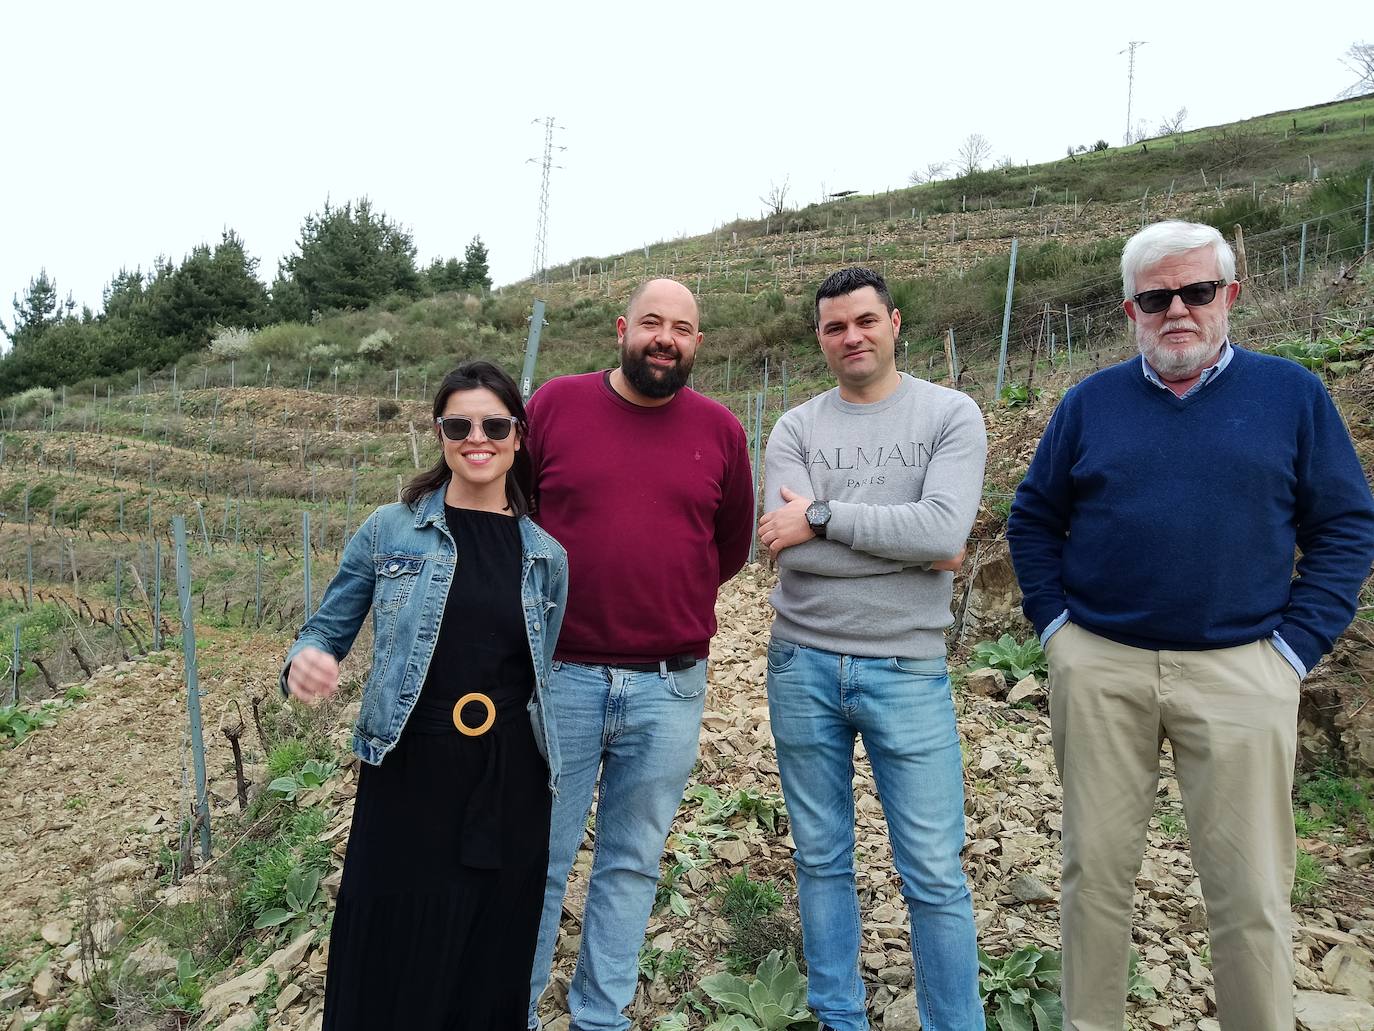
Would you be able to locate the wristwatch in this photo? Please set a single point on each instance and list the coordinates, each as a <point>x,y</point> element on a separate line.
<point>817,517</point>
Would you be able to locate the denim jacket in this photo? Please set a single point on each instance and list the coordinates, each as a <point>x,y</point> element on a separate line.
<point>400,564</point>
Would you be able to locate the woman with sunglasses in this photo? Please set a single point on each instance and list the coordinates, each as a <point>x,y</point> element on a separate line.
<point>438,913</point>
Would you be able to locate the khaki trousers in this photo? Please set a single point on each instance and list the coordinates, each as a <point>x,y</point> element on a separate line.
<point>1231,717</point>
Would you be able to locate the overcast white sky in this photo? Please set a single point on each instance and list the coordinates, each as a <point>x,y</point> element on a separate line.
<point>145,128</point>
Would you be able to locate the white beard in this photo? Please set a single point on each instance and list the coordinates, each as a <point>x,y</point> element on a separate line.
<point>1176,363</point>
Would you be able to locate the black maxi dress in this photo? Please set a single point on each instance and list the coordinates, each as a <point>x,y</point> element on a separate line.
<point>438,914</point>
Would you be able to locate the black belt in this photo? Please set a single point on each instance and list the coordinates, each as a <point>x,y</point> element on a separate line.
<point>675,664</point>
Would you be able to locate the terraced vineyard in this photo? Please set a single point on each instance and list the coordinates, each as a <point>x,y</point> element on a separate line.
<point>112,918</point>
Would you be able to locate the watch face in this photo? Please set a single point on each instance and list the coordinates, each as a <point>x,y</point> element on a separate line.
<point>818,513</point>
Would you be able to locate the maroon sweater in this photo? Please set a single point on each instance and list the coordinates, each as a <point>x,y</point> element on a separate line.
<point>655,507</point>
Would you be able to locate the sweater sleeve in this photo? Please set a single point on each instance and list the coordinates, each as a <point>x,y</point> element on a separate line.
<point>784,467</point>
<point>1335,516</point>
<point>936,525</point>
<point>536,412</point>
<point>735,517</point>
<point>1039,520</point>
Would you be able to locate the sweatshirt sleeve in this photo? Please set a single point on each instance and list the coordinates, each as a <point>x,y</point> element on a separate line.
<point>936,525</point>
<point>735,517</point>
<point>1335,535</point>
<point>536,413</point>
<point>1039,522</point>
<point>784,467</point>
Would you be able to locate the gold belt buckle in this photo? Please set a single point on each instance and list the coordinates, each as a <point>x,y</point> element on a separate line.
<point>463,728</point>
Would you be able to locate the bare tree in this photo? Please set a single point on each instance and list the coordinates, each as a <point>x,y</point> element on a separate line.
<point>1359,59</point>
<point>775,200</point>
<point>933,171</point>
<point>972,153</point>
<point>1173,126</point>
<point>1233,144</point>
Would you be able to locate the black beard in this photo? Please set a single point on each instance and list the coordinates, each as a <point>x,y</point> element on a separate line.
<point>652,381</point>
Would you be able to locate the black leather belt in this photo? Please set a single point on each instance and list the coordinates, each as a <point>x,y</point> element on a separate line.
<point>675,664</point>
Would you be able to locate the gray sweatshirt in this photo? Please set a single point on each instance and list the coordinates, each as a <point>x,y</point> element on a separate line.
<point>903,478</point>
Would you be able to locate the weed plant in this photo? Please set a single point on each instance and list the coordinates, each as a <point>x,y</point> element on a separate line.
<point>1328,798</point>
<point>1309,877</point>
<point>761,921</point>
<point>743,900</point>
<point>1016,659</point>
<point>287,757</point>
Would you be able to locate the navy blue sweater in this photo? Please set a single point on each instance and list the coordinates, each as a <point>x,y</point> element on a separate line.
<point>1171,524</point>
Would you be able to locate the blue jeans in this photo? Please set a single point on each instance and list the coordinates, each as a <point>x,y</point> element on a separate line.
<point>818,701</point>
<point>640,732</point>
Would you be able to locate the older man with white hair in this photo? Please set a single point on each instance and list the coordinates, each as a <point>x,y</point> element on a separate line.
<point>1154,539</point>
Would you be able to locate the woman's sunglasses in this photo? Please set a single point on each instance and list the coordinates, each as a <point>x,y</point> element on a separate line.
<point>494,427</point>
<point>1194,295</point>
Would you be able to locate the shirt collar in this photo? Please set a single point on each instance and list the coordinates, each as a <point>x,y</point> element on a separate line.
<point>1208,374</point>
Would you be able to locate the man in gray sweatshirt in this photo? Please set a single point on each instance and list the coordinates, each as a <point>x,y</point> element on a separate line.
<point>871,488</point>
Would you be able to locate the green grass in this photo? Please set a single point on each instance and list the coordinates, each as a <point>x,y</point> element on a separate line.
<point>1171,821</point>
<point>39,629</point>
<point>743,900</point>
<point>1308,879</point>
<point>1327,799</point>
<point>672,966</point>
<point>759,918</point>
<point>287,757</point>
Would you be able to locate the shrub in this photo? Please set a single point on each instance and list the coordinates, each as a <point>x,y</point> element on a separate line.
<point>375,346</point>
<point>285,340</point>
<point>34,397</point>
<point>231,342</point>
<point>1338,201</point>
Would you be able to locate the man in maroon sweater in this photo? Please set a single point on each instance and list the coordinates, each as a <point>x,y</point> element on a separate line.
<point>647,484</point>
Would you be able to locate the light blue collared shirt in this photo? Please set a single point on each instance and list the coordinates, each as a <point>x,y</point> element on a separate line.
<point>1208,375</point>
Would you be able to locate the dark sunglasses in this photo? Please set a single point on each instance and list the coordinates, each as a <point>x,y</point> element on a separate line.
<point>1194,295</point>
<point>494,427</point>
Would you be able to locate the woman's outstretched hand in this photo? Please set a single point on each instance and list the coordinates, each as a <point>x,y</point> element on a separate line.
<point>313,677</point>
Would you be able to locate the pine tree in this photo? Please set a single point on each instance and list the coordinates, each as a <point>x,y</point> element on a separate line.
<point>476,274</point>
<point>211,288</point>
<point>350,256</point>
<point>36,313</point>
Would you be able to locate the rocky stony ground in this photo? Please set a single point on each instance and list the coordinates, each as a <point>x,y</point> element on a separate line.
<point>118,750</point>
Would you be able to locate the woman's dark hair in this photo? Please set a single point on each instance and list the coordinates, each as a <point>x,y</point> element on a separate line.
<point>519,479</point>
